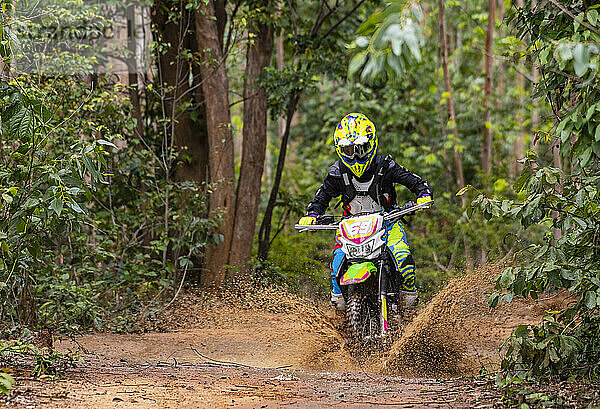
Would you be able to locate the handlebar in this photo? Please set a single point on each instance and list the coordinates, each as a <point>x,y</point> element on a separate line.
<point>330,222</point>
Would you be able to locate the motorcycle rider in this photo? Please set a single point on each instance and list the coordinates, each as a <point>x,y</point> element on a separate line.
<point>365,181</point>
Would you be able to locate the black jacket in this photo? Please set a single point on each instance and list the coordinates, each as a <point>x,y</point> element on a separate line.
<point>334,186</point>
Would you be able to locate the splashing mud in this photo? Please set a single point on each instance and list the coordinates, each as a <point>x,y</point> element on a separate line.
<point>457,333</point>
<point>454,334</point>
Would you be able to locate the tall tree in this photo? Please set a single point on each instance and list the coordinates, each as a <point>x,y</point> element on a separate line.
<point>172,28</point>
<point>458,165</point>
<point>519,142</point>
<point>486,148</point>
<point>215,86</point>
<point>460,177</point>
<point>258,56</point>
<point>315,40</point>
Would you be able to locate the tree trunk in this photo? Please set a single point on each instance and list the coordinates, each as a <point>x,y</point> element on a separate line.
<point>188,136</point>
<point>280,119</point>
<point>258,56</point>
<point>133,71</point>
<point>460,178</point>
<point>264,234</point>
<point>215,87</point>
<point>486,148</point>
<point>519,143</point>
<point>557,162</point>
<point>501,67</point>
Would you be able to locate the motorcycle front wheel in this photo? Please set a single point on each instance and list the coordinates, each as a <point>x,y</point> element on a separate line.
<point>362,310</point>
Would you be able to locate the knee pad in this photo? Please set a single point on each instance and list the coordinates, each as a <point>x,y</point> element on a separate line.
<point>408,261</point>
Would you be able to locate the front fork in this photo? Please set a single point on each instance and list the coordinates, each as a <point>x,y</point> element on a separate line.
<point>383,299</point>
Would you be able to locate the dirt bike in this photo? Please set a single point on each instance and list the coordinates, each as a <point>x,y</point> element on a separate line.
<point>367,276</point>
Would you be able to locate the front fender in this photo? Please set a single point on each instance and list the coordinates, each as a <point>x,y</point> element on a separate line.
<point>357,273</point>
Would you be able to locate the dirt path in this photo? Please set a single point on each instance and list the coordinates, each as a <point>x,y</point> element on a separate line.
<point>102,384</point>
<point>162,370</point>
<point>278,351</point>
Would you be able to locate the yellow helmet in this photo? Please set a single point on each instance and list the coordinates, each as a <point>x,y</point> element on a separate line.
<point>355,142</point>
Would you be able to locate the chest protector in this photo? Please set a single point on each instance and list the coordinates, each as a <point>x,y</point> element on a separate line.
<point>366,197</point>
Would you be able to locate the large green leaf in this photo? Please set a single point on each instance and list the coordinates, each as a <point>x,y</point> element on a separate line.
<point>397,25</point>
<point>6,383</point>
<point>413,44</point>
<point>590,299</point>
<point>57,205</point>
<point>356,63</point>
<point>581,60</point>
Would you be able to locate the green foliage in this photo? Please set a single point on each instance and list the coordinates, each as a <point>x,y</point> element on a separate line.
<point>389,43</point>
<point>541,350</point>
<point>316,39</point>
<point>6,383</point>
<point>127,255</point>
<point>65,305</point>
<point>303,260</point>
<point>566,204</point>
<point>75,245</point>
<point>43,362</point>
<point>41,189</point>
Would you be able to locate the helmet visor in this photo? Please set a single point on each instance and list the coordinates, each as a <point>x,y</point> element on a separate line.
<point>348,151</point>
<point>358,151</point>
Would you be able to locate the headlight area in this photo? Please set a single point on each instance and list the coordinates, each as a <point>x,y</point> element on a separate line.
<point>362,250</point>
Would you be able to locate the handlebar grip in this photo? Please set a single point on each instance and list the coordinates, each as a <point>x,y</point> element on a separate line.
<point>325,219</point>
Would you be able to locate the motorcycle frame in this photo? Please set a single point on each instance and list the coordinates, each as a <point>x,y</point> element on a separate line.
<point>389,217</point>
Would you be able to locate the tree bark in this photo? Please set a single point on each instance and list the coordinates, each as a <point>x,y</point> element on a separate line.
<point>486,148</point>
<point>189,137</point>
<point>264,234</point>
<point>133,71</point>
<point>258,56</point>
<point>460,178</point>
<point>221,19</point>
<point>215,87</point>
<point>501,68</point>
<point>519,142</point>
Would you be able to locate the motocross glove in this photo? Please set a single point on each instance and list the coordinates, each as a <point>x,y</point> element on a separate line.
<point>422,200</point>
<point>308,220</point>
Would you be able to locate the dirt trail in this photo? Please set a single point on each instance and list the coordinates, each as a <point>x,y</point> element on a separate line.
<point>275,350</point>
